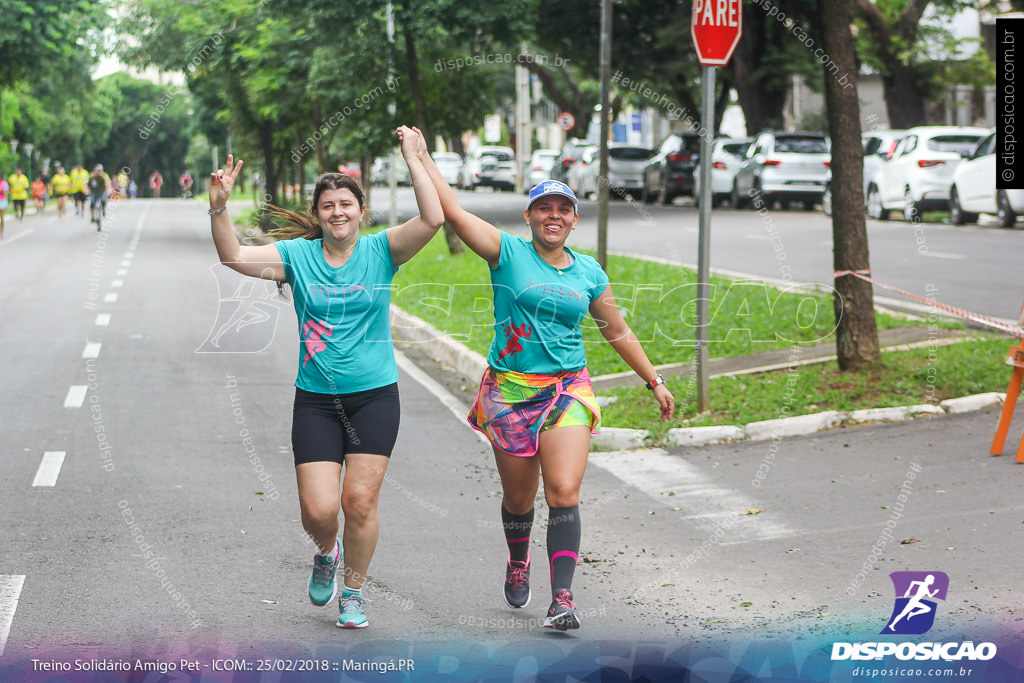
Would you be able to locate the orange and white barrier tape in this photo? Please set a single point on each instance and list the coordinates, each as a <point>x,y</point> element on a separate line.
<point>1015,330</point>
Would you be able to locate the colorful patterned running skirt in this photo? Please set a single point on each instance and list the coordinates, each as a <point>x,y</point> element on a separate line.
<point>512,408</point>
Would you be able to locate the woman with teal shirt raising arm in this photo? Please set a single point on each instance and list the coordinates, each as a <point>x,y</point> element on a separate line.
<point>535,403</point>
<point>346,409</point>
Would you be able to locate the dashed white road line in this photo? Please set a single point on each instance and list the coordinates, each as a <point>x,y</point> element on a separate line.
<point>117,283</point>
<point>8,240</point>
<point>10,593</point>
<point>102,319</point>
<point>49,468</point>
<point>110,298</point>
<point>76,396</point>
<point>942,254</point>
<point>91,350</point>
<point>703,502</point>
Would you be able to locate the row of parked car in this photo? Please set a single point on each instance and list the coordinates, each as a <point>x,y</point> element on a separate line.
<point>912,171</point>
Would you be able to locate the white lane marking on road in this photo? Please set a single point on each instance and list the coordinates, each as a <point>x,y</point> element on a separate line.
<point>92,350</point>
<point>10,593</point>
<point>759,238</point>
<point>8,240</point>
<point>458,409</point>
<point>49,468</point>
<point>129,254</point>
<point>121,271</point>
<point>117,283</point>
<point>945,255</point>
<point>125,264</point>
<point>704,503</point>
<point>102,319</point>
<point>110,298</point>
<point>76,396</point>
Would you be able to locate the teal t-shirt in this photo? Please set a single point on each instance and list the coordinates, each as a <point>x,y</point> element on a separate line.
<point>343,315</point>
<point>538,309</point>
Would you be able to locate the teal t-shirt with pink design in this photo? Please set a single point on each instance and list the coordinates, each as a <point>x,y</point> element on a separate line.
<point>343,315</point>
<point>538,309</point>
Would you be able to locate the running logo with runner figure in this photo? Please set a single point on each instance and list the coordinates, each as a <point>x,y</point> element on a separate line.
<point>916,592</point>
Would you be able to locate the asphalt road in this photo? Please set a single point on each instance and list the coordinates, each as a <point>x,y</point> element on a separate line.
<point>162,536</point>
<point>971,267</point>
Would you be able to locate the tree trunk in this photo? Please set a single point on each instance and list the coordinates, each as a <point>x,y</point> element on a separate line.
<point>904,99</point>
<point>455,245</point>
<point>904,102</point>
<point>856,333</point>
<point>762,106</point>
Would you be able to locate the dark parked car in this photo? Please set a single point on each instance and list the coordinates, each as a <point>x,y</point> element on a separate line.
<point>669,173</point>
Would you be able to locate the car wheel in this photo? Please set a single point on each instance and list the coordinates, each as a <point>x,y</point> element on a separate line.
<point>911,212</point>
<point>645,194</point>
<point>735,198</point>
<point>1004,212</point>
<point>875,208</point>
<point>957,215</point>
<point>826,201</point>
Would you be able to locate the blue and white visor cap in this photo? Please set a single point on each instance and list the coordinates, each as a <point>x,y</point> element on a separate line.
<point>549,187</point>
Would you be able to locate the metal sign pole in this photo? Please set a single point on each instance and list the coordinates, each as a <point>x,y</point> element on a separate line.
<point>707,142</point>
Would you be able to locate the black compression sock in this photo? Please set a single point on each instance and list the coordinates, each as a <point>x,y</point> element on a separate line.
<point>517,533</point>
<point>564,531</point>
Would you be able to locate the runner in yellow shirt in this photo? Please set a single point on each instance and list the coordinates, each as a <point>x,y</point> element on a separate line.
<point>79,177</point>
<point>61,186</point>
<point>19,192</point>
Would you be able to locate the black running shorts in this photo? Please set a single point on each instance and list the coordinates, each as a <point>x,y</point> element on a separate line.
<point>327,426</point>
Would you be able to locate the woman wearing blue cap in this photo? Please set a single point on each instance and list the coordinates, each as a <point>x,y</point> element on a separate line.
<point>536,403</point>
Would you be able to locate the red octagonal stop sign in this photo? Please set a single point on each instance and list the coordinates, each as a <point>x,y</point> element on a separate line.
<point>716,27</point>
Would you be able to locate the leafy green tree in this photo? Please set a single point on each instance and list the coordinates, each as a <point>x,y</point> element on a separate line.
<point>40,34</point>
<point>891,42</point>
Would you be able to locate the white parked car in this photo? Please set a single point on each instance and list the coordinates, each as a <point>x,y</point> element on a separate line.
<point>785,167</point>
<point>449,164</point>
<point>574,178</point>
<point>539,169</point>
<point>490,166</point>
<point>918,176</point>
<point>973,190</point>
<point>879,146</point>
<point>379,171</point>
<point>626,165</point>
<point>726,157</point>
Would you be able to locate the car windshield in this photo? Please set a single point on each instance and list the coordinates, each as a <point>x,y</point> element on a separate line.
<point>498,156</point>
<point>801,144</point>
<point>958,144</point>
<point>736,148</point>
<point>629,153</point>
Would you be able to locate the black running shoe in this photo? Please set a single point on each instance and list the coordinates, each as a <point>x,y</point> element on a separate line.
<point>517,583</point>
<point>562,613</point>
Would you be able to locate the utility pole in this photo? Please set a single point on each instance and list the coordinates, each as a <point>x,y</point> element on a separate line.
<point>392,109</point>
<point>602,184</point>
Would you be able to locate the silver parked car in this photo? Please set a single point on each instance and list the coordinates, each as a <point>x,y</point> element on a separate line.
<point>784,167</point>
<point>625,171</point>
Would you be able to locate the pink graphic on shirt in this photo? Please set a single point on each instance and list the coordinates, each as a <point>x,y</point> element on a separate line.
<point>314,330</point>
<point>514,334</point>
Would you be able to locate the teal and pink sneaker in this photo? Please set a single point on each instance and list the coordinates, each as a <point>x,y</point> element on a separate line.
<point>322,585</point>
<point>352,605</point>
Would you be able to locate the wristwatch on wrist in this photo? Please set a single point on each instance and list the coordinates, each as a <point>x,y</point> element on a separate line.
<point>655,382</point>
